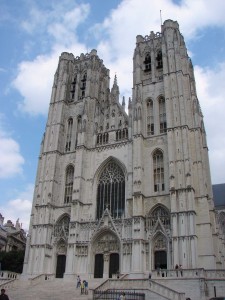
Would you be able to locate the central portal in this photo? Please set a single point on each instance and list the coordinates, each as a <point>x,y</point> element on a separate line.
<point>106,248</point>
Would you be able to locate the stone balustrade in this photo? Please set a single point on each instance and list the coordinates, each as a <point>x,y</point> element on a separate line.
<point>140,285</point>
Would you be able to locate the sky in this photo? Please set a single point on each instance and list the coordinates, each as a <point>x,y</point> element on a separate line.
<point>33,35</point>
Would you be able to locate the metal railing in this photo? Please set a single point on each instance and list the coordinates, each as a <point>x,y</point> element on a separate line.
<point>115,294</point>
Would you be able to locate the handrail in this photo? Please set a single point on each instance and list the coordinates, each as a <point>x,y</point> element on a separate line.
<point>140,284</point>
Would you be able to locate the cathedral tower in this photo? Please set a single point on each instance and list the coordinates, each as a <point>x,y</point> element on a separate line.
<point>124,192</point>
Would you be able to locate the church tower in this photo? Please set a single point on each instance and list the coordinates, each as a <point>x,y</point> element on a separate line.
<point>124,191</point>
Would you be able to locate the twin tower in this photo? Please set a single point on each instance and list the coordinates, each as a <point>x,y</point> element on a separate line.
<point>124,187</point>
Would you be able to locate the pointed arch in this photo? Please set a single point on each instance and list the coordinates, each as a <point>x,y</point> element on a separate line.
<point>158,213</point>
<point>159,62</point>
<point>73,87</point>
<point>69,134</point>
<point>162,114</point>
<point>61,227</point>
<point>147,62</point>
<point>111,190</point>
<point>83,85</point>
<point>158,170</point>
<point>150,117</point>
<point>69,184</point>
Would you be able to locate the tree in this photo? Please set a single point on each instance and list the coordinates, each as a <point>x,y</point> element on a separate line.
<point>12,261</point>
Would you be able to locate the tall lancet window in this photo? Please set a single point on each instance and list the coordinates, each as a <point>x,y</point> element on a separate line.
<point>147,62</point>
<point>162,115</point>
<point>73,87</point>
<point>158,167</point>
<point>159,62</point>
<point>69,134</point>
<point>69,184</point>
<point>150,117</point>
<point>111,191</point>
<point>83,85</point>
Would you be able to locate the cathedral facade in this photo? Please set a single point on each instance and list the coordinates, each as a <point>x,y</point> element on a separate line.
<point>124,190</point>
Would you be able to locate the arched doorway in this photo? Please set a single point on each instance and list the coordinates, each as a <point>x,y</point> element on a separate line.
<point>99,263</point>
<point>106,255</point>
<point>160,251</point>
<point>114,264</point>
<point>160,260</point>
<point>60,266</point>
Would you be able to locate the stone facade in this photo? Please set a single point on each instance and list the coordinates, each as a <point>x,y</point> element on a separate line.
<point>124,191</point>
<point>12,238</point>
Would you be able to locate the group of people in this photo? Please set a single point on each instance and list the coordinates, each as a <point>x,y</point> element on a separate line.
<point>178,268</point>
<point>83,285</point>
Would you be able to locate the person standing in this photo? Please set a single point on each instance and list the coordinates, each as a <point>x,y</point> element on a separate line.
<point>78,281</point>
<point>3,296</point>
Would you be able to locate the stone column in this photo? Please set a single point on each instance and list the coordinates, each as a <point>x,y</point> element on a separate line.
<point>106,265</point>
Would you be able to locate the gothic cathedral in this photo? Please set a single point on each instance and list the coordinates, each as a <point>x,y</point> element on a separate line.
<point>124,190</point>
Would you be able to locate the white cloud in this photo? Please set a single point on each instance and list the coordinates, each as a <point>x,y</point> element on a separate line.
<point>20,207</point>
<point>11,160</point>
<point>116,41</point>
<point>211,91</point>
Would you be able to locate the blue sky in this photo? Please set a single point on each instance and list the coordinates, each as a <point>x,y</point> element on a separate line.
<point>34,33</point>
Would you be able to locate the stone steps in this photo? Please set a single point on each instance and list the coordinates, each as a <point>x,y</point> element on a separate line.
<point>56,289</point>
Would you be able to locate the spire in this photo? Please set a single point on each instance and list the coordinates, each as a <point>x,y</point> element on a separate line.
<point>123,103</point>
<point>115,80</point>
<point>115,91</point>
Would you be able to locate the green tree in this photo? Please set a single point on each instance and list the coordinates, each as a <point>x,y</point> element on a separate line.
<point>12,261</point>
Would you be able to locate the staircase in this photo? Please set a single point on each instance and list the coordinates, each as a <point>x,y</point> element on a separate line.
<point>55,289</point>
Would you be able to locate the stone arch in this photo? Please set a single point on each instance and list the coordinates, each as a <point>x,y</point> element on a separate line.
<point>105,162</point>
<point>110,189</point>
<point>106,249</point>
<point>61,227</point>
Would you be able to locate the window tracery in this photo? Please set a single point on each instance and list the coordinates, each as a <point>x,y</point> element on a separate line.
<point>83,85</point>
<point>111,191</point>
<point>150,118</point>
<point>159,62</point>
<point>61,228</point>
<point>159,213</point>
<point>162,115</point>
<point>69,184</point>
<point>69,135</point>
<point>147,62</point>
<point>158,167</point>
<point>73,88</point>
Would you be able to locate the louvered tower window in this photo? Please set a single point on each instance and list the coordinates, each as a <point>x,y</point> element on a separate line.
<point>147,62</point>
<point>158,171</point>
<point>159,62</point>
<point>111,191</point>
<point>69,135</point>
<point>162,115</point>
<point>69,184</point>
<point>83,85</point>
<point>73,87</point>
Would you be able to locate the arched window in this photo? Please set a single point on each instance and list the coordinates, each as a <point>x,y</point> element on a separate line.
<point>111,191</point>
<point>69,134</point>
<point>69,184</point>
<point>159,62</point>
<point>147,62</point>
<point>158,168</point>
<point>83,85</point>
<point>61,228</point>
<point>162,115</point>
<point>73,87</point>
<point>150,117</point>
<point>158,213</point>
